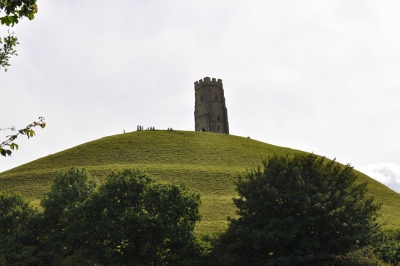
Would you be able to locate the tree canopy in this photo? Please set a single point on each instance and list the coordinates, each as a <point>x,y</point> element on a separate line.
<point>128,220</point>
<point>299,210</point>
<point>133,220</point>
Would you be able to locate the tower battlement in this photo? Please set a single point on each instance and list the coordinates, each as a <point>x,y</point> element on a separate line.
<point>207,81</point>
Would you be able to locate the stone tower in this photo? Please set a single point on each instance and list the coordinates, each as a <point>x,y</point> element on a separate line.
<point>210,113</point>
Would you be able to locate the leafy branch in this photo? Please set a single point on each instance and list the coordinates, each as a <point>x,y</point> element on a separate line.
<point>7,50</point>
<point>8,145</point>
<point>10,13</point>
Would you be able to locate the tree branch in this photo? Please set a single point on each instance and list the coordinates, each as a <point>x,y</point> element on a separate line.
<point>8,145</point>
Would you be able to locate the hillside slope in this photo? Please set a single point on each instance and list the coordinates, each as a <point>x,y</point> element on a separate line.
<point>207,163</point>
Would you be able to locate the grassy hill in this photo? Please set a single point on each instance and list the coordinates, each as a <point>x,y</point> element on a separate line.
<point>207,163</point>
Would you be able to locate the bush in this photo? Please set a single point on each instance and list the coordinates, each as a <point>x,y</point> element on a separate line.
<point>364,256</point>
<point>388,247</point>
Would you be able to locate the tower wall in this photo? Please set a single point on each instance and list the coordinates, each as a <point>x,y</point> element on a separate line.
<point>210,112</point>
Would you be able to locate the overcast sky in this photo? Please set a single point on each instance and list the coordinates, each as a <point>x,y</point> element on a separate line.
<point>319,76</point>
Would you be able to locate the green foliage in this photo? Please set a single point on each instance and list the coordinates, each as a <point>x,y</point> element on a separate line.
<point>364,256</point>
<point>388,247</point>
<point>132,220</point>
<point>68,192</point>
<point>18,231</point>
<point>27,131</point>
<point>15,10</point>
<point>298,211</point>
<point>7,50</point>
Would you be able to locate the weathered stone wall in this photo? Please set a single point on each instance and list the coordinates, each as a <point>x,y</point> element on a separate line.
<point>210,112</point>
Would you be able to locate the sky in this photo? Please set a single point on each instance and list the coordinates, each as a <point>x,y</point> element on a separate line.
<point>318,76</point>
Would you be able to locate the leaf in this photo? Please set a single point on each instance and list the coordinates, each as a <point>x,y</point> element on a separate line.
<point>14,146</point>
<point>5,152</point>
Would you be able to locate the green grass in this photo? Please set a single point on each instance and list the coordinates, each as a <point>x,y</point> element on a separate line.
<point>208,163</point>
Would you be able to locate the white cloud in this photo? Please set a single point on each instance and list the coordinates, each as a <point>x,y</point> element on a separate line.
<point>386,173</point>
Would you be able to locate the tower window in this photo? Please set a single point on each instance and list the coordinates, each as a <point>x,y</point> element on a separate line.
<point>216,97</point>
<point>218,118</point>
<point>201,97</point>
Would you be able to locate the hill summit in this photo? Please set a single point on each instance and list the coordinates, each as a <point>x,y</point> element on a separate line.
<point>208,163</point>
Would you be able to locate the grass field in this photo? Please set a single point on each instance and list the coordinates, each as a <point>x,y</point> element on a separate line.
<point>208,163</point>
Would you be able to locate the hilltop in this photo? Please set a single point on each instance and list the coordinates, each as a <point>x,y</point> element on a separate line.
<point>208,163</point>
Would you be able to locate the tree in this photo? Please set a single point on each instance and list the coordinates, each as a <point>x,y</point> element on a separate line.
<point>8,145</point>
<point>133,220</point>
<point>68,193</point>
<point>300,210</point>
<point>18,231</point>
<point>13,11</point>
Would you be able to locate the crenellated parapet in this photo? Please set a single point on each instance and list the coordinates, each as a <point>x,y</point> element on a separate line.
<point>207,81</point>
